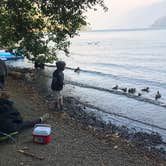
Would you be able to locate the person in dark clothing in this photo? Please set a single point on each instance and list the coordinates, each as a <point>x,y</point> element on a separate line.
<point>11,120</point>
<point>57,85</point>
<point>3,73</point>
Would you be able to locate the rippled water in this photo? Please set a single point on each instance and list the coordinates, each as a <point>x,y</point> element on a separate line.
<point>132,59</point>
<point>127,58</point>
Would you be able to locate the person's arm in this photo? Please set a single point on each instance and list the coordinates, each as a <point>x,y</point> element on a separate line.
<point>61,79</point>
<point>5,68</point>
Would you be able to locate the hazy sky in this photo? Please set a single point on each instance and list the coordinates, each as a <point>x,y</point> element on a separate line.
<point>118,12</point>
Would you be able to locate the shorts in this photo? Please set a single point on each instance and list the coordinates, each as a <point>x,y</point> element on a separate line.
<point>57,94</point>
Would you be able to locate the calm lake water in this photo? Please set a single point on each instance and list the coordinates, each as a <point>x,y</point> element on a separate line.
<point>126,58</point>
<point>132,59</point>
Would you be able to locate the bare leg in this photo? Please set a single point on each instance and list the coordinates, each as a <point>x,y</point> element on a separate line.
<point>56,104</point>
<point>61,103</point>
<point>61,100</point>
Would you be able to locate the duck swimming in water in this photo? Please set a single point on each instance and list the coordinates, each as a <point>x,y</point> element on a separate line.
<point>158,95</point>
<point>145,89</point>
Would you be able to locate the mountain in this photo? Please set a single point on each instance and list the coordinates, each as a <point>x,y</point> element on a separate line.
<point>159,23</point>
<point>146,15</point>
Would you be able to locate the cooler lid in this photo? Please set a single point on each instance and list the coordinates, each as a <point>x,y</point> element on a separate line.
<point>43,130</point>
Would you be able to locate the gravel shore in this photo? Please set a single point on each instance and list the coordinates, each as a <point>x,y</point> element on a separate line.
<point>72,143</point>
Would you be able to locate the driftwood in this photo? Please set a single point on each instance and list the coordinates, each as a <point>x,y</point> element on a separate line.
<point>30,154</point>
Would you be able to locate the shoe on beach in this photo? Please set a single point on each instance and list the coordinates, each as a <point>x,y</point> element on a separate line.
<point>44,117</point>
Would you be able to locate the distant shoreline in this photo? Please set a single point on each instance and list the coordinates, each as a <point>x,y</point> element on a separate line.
<point>130,29</point>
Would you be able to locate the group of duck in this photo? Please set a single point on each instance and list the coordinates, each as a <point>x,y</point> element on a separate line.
<point>129,90</point>
<point>133,91</point>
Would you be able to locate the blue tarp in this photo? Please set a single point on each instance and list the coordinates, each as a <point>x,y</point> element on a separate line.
<point>8,56</point>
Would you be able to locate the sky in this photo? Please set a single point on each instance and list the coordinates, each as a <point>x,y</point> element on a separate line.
<point>117,14</point>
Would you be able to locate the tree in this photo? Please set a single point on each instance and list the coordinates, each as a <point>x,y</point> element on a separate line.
<point>41,28</point>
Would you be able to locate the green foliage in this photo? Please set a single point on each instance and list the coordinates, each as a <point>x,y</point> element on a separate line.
<point>41,28</point>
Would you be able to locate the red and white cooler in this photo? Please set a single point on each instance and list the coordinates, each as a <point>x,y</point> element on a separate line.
<point>42,133</point>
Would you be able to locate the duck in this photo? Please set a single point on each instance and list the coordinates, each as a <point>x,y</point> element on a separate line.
<point>123,89</point>
<point>139,94</point>
<point>115,87</point>
<point>158,95</point>
<point>131,90</point>
<point>77,70</point>
<point>145,89</point>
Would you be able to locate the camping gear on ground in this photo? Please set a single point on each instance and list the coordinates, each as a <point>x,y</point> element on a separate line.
<point>4,136</point>
<point>42,133</point>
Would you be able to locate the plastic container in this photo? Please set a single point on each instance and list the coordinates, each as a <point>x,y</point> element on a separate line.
<point>42,133</point>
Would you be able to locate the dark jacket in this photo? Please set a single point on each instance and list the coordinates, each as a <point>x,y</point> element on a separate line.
<point>57,80</point>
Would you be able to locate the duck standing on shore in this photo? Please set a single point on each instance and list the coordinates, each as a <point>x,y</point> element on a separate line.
<point>77,70</point>
<point>132,90</point>
<point>145,89</point>
<point>158,95</point>
<point>115,87</point>
<point>123,89</point>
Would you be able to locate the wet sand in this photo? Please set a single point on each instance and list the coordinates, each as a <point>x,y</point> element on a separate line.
<point>71,144</point>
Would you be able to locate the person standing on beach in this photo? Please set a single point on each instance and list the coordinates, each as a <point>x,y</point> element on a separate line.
<point>3,74</point>
<point>57,85</point>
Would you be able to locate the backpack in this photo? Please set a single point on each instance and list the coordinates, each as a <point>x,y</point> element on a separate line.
<point>57,83</point>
